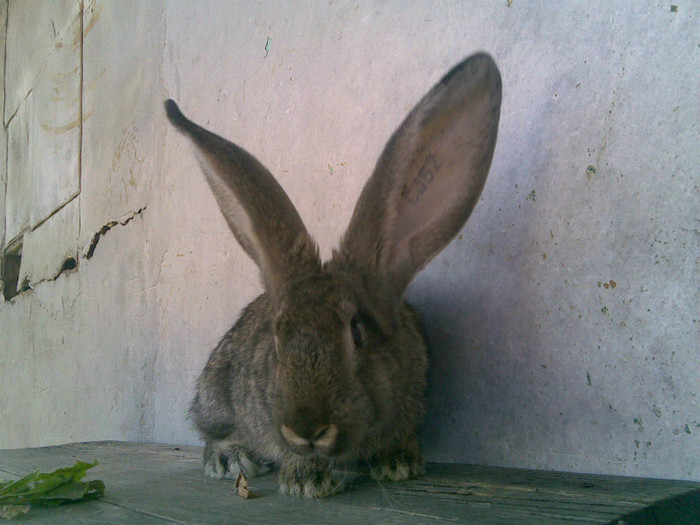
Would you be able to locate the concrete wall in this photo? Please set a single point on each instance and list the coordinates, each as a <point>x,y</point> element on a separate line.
<point>563,320</point>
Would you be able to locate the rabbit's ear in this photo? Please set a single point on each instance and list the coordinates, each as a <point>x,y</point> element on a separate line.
<point>429,176</point>
<point>258,211</point>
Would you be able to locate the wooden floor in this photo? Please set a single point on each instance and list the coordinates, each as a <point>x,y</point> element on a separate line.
<point>149,483</point>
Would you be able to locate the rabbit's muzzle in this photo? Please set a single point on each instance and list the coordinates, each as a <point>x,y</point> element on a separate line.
<point>321,440</point>
<point>307,430</point>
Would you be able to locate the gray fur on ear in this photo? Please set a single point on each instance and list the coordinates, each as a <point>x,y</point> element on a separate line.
<point>258,211</point>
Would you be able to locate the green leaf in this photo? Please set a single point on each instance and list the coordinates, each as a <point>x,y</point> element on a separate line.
<point>51,489</point>
<point>73,491</point>
<point>9,487</point>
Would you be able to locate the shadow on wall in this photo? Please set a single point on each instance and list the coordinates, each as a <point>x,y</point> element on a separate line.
<point>476,370</point>
<point>485,377</point>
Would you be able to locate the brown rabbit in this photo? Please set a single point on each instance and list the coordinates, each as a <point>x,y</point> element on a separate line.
<point>328,365</point>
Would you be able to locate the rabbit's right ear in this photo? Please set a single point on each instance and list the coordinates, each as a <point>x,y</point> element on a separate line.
<point>429,176</point>
<point>258,211</point>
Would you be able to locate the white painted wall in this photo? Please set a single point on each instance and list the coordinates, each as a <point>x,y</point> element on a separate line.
<point>537,359</point>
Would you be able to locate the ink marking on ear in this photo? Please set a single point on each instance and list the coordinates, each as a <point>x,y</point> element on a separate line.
<point>413,190</point>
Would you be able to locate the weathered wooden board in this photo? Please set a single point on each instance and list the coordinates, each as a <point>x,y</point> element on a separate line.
<point>148,483</point>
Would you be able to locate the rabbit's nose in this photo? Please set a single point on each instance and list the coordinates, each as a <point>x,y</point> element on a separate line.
<point>322,437</point>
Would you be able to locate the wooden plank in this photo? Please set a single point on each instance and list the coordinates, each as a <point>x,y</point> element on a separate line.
<point>150,483</point>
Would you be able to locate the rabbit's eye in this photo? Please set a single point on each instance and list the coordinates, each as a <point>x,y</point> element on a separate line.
<point>356,331</point>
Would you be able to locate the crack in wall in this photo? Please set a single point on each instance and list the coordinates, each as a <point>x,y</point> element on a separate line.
<point>123,221</point>
<point>11,287</point>
<point>69,264</point>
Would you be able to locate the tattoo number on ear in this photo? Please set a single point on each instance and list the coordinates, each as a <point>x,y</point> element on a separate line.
<point>413,190</point>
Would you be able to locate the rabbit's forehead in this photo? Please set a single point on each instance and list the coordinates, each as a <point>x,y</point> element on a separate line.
<point>335,293</point>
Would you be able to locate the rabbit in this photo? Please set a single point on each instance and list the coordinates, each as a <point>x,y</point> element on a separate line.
<point>328,366</point>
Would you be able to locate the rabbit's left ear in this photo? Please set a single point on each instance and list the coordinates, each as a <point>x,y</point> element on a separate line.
<point>429,176</point>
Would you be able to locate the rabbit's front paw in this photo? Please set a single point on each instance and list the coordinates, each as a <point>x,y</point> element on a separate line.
<point>399,464</point>
<point>222,459</point>
<point>306,478</point>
